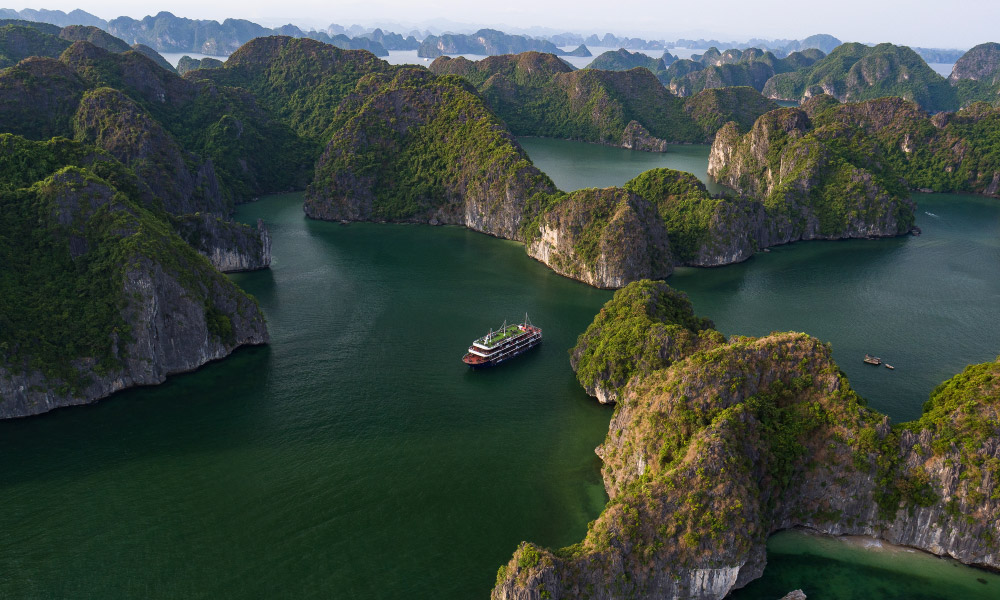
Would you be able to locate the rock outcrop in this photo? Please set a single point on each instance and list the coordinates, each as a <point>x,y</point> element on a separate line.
<point>604,237</point>
<point>168,33</point>
<point>186,63</point>
<point>751,67</point>
<point>705,230</point>
<point>623,60</point>
<point>156,307</point>
<point>981,63</point>
<point>809,185</point>
<point>489,42</point>
<point>891,139</point>
<point>720,444</point>
<point>635,137</point>
<point>854,72</point>
<point>111,121</point>
<point>419,148</point>
<point>230,247</point>
<point>539,94</point>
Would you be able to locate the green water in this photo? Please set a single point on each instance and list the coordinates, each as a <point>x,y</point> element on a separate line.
<point>356,457</point>
<point>928,305</point>
<point>863,569</point>
<point>576,165</point>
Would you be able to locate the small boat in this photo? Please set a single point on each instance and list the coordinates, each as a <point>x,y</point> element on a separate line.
<point>502,344</point>
<point>890,367</point>
<point>872,360</point>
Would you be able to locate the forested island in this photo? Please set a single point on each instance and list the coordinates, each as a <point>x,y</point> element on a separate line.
<point>715,444</point>
<point>120,174</point>
<point>288,113</point>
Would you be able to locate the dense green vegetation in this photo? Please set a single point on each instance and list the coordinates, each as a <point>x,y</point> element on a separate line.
<point>715,445</point>
<point>800,173</point>
<point>18,42</point>
<point>646,326</point>
<point>251,152</point>
<point>960,417</point>
<point>901,145</point>
<point>97,37</point>
<point>713,108</point>
<point>69,238</point>
<point>685,206</point>
<point>854,72</point>
<point>301,81</point>
<point>538,94</point>
<point>623,60</point>
<point>446,149</point>
<point>751,67</point>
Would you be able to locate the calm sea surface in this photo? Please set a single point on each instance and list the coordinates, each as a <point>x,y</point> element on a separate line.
<point>356,457</point>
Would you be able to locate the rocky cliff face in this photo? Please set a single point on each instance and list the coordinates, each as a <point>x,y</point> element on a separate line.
<point>418,148</point>
<point>606,238</point>
<point>981,63</point>
<point>635,137</point>
<point>230,147</point>
<point>538,94</point>
<point>890,139</point>
<point>705,230</point>
<point>39,111</point>
<point>854,72</point>
<point>110,120</point>
<point>229,246</point>
<point>809,184</point>
<point>711,451</point>
<point>157,309</point>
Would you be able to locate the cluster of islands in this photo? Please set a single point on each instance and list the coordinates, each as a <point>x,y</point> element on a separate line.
<point>120,175</point>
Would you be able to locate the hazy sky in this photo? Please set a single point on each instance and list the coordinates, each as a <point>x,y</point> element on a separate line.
<point>953,23</point>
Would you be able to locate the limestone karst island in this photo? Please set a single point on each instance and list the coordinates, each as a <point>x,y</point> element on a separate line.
<point>509,301</point>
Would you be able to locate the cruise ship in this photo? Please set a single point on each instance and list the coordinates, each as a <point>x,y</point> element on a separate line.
<point>503,344</point>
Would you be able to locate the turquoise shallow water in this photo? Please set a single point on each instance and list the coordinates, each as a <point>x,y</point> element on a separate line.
<point>356,457</point>
<point>863,569</point>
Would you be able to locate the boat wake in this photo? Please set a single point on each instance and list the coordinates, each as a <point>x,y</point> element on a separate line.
<point>930,214</point>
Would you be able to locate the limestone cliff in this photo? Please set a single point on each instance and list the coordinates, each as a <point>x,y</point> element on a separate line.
<point>718,444</point>
<point>809,182</point>
<point>415,147</point>
<point>539,94</point>
<point>229,246</point>
<point>854,72</point>
<point>107,297</point>
<point>647,327</point>
<point>705,230</point>
<point>604,237</point>
<point>981,63</point>
<point>111,121</point>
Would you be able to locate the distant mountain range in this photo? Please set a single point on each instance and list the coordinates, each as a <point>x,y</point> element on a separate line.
<point>490,42</point>
<point>165,32</point>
